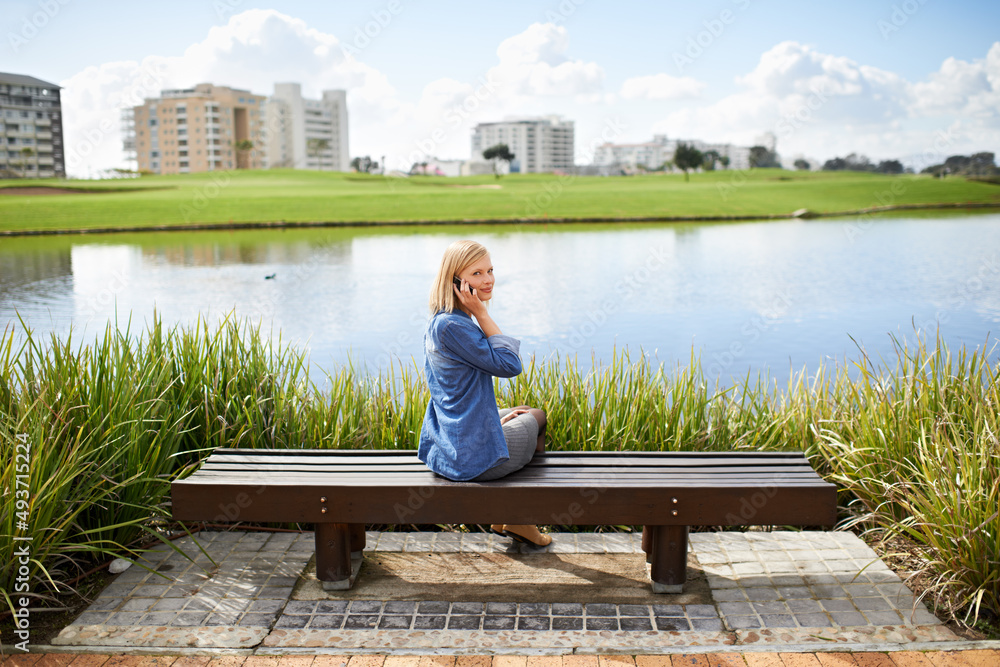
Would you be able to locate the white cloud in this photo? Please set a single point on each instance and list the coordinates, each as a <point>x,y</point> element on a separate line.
<point>534,63</point>
<point>822,104</point>
<point>960,87</point>
<point>661,87</point>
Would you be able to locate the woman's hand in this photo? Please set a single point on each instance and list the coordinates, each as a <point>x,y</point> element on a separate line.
<point>468,299</point>
<point>512,415</point>
<point>471,304</point>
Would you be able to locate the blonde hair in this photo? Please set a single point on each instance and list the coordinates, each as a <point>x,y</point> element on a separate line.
<point>458,257</point>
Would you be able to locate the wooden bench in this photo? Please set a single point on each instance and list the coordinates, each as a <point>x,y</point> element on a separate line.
<point>665,492</point>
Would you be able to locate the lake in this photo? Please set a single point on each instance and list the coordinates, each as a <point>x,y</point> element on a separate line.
<point>765,296</point>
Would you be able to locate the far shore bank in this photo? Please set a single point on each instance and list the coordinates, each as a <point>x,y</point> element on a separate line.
<point>296,199</point>
<point>801,214</point>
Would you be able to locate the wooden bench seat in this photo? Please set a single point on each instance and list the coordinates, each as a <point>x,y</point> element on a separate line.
<point>665,492</point>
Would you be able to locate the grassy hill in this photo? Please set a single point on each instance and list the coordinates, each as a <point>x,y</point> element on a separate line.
<point>303,196</point>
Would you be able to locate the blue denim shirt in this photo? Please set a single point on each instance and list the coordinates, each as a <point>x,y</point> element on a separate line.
<point>461,436</point>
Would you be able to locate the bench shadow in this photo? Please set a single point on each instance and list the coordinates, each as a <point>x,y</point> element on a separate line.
<point>506,577</point>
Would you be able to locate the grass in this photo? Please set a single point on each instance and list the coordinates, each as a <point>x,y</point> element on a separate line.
<point>304,196</point>
<point>912,442</point>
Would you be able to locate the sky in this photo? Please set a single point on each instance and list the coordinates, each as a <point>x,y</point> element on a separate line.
<point>914,80</point>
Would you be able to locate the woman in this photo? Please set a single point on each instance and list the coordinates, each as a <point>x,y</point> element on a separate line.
<point>464,437</point>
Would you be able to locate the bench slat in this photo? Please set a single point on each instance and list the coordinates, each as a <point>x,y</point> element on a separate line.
<point>363,457</point>
<point>428,479</point>
<point>401,466</point>
<point>576,453</point>
<point>578,471</point>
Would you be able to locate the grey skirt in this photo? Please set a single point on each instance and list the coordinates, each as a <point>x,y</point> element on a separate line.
<point>521,434</point>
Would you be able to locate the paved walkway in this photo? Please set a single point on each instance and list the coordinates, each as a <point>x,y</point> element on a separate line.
<point>241,594</point>
<point>968,658</point>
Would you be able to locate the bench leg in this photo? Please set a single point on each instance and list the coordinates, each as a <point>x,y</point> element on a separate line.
<point>334,566</point>
<point>667,557</point>
<point>647,542</point>
<point>358,539</point>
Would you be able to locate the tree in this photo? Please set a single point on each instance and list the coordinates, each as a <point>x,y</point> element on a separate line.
<point>686,156</point>
<point>835,164</point>
<point>315,146</point>
<point>889,167</point>
<point>708,160</point>
<point>802,165</point>
<point>364,165</point>
<point>762,158</point>
<point>26,154</point>
<point>243,146</point>
<point>498,153</point>
<point>979,164</point>
<point>852,162</point>
<point>982,164</point>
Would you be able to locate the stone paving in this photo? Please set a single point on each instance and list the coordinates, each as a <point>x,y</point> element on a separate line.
<point>236,591</point>
<point>983,657</point>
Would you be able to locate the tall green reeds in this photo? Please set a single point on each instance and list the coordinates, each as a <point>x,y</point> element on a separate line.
<point>916,450</point>
<point>911,442</point>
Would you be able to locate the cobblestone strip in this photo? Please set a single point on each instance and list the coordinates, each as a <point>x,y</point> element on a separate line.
<point>539,616</point>
<point>803,580</point>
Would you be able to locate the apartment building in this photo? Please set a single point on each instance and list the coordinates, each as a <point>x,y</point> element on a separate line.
<point>539,145</point>
<point>307,134</point>
<point>205,128</point>
<point>653,154</point>
<point>31,131</point>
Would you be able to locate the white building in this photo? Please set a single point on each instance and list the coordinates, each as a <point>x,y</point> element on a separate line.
<point>539,144</point>
<point>307,134</point>
<point>433,166</point>
<point>648,155</point>
<point>651,155</point>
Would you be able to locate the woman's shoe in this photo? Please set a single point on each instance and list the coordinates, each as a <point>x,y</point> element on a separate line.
<point>527,535</point>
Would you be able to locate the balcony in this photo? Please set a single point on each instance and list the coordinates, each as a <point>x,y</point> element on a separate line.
<point>43,135</point>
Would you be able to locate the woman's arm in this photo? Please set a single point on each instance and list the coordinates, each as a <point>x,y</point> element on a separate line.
<point>496,355</point>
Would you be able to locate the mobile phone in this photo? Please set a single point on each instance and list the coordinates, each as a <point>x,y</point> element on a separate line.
<point>458,282</point>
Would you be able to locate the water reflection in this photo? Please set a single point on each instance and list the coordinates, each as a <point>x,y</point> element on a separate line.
<point>747,296</point>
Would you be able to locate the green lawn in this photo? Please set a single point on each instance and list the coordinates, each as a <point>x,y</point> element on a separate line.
<point>286,195</point>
